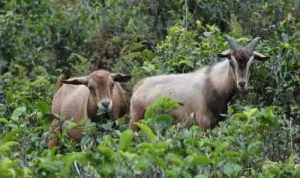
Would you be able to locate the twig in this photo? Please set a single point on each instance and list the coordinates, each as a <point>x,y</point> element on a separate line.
<point>77,168</point>
<point>186,14</point>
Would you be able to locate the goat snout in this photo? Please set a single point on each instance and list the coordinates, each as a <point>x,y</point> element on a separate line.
<point>105,106</point>
<point>242,87</point>
<point>242,84</point>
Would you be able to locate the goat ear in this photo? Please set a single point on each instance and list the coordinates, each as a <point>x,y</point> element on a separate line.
<point>225,54</point>
<point>76,81</point>
<point>260,57</point>
<point>119,77</point>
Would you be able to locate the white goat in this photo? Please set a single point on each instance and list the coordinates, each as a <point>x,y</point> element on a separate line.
<point>203,94</point>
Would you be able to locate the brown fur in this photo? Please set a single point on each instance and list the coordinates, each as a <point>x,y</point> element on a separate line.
<point>77,102</point>
<point>242,56</point>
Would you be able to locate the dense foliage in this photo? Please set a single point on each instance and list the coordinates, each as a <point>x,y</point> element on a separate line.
<point>43,40</point>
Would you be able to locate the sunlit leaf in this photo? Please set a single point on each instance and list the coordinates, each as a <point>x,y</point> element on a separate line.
<point>126,139</point>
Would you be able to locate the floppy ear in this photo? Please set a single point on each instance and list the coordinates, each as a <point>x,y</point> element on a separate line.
<point>260,57</point>
<point>119,77</point>
<point>76,81</point>
<point>225,54</point>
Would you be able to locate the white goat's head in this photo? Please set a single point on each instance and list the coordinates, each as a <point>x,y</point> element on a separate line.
<point>240,59</point>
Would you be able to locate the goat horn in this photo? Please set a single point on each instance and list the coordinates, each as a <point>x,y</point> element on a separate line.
<point>232,42</point>
<point>253,43</point>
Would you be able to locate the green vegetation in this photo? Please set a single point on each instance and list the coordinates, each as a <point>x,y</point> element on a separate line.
<point>43,40</point>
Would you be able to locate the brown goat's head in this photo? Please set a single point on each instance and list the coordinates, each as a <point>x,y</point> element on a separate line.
<point>101,85</point>
<point>240,59</point>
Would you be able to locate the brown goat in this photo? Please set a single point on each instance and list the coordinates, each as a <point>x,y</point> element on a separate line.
<point>88,97</point>
<point>205,93</point>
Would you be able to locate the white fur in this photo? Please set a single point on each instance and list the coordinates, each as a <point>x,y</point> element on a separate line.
<point>189,89</point>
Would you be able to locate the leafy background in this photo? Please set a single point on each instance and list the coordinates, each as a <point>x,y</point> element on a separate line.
<point>43,40</point>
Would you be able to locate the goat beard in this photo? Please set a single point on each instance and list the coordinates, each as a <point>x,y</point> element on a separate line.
<point>243,92</point>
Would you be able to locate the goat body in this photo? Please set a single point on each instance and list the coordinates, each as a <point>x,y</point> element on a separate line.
<point>203,94</point>
<point>84,97</point>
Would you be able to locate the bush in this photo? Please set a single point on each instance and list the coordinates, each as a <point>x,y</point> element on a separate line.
<point>42,40</point>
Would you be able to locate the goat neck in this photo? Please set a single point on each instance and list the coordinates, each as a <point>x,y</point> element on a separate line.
<point>220,80</point>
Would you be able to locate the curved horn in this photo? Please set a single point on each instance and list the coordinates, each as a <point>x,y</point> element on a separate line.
<point>253,43</point>
<point>232,42</point>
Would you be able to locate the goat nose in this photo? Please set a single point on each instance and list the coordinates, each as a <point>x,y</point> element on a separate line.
<point>105,104</point>
<point>242,84</point>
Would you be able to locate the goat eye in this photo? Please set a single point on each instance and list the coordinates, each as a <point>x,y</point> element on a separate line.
<point>112,85</point>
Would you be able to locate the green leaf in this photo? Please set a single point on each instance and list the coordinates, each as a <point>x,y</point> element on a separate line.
<point>128,155</point>
<point>240,116</point>
<point>8,168</point>
<point>69,160</point>
<point>106,151</point>
<point>147,131</point>
<point>249,113</point>
<point>232,169</point>
<point>201,176</point>
<point>126,139</point>
<point>18,112</point>
<point>3,121</point>
<point>49,164</point>
<point>6,147</point>
<point>161,106</point>
<point>197,159</point>
<point>43,107</point>
<point>12,135</point>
